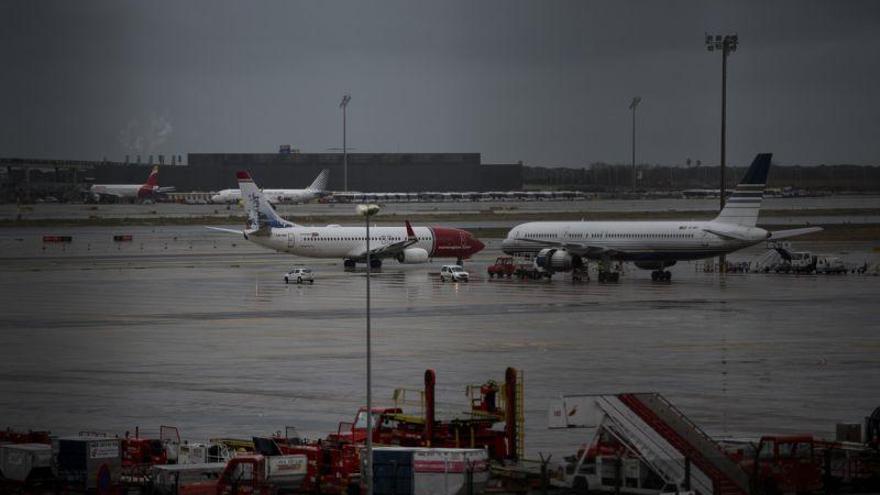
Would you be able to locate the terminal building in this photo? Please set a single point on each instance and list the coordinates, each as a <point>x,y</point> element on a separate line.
<point>24,178</point>
<point>367,172</point>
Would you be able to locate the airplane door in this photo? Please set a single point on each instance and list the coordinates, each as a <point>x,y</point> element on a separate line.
<point>290,240</point>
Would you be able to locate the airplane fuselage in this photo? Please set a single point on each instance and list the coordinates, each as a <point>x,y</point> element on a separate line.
<point>350,242</point>
<point>123,190</point>
<point>273,195</point>
<point>637,241</point>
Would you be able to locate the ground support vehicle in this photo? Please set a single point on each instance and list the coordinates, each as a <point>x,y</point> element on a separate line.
<point>504,266</point>
<point>255,474</point>
<point>531,271</point>
<point>186,479</point>
<point>428,471</point>
<point>139,455</point>
<point>25,467</point>
<point>88,463</point>
<point>610,272</point>
<point>334,462</point>
<point>453,273</point>
<point>831,265</point>
<point>299,275</point>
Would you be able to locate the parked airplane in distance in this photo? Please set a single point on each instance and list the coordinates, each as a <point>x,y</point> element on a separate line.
<point>406,244</point>
<point>148,190</point>
<point>652,245</point>
<point>317,190</point>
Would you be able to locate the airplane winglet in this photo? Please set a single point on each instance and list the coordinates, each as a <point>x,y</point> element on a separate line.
<point>410,233</point>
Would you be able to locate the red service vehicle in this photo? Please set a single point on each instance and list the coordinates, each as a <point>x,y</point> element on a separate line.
<point>503,267</point>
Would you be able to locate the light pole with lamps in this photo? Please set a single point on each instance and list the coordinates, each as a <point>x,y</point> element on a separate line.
<point>344,105</point>
<point>725,44</point>
<point>368,211</point>
<point>632,106</point>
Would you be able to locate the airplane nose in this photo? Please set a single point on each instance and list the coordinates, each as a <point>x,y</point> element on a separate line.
<point>477,245</point>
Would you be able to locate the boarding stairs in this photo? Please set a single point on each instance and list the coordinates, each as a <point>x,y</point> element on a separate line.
<point>657,433</point>
<point>667,440</point>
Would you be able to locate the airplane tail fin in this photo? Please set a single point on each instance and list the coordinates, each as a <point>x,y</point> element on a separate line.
<point>320,183</point>
<point>153,179</point>
<point>260,213</point>
<point>742,207</point>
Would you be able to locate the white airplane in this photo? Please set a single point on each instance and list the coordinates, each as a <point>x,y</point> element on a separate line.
<point>148,190</point>
<point>405,244</point>
<point>317,190</point>
<point>652,245</point>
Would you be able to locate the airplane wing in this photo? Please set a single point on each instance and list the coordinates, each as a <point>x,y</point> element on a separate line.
<point>391,250</point>
<point>784,234</point>
<point>262,231</point>
<point>727,235</point>
<point>228,231</point>
<point>597,252</point>
<point>166,189</point>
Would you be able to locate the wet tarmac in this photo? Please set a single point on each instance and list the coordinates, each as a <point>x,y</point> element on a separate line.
<point>186,328</point>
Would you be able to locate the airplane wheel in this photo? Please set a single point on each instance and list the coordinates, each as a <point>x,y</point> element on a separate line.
<point>299,280</point>
<point>286,281</point>
<point>654,276</point>
<point>667,276</point>
<point>312,282</point>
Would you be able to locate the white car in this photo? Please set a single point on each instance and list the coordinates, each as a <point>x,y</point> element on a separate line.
<point>299,275</point>
<point>453,273</point>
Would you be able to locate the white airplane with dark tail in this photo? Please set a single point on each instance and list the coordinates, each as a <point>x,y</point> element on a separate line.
<point>652,245</point>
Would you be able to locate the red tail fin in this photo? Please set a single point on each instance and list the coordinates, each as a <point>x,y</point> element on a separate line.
<point>410,234</point>
<point>153,179</point>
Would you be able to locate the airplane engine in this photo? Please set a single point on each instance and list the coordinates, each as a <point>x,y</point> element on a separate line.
<point>557,260</point>
<point>413,255</point>
<point>654,265</point>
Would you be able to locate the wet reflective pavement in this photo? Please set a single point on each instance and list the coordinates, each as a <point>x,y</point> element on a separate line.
<point>191,331</point>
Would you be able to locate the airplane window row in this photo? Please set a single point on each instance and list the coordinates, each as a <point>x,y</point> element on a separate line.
<point>360,238</point>
<point>648,236</point>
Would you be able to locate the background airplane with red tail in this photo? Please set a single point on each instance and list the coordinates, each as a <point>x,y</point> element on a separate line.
<point>406,244</point>
<point>147,190</point>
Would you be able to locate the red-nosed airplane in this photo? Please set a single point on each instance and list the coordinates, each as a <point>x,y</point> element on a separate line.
<point>406,244</point>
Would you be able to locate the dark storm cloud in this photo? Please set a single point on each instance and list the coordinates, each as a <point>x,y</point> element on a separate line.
<point>544,82</point>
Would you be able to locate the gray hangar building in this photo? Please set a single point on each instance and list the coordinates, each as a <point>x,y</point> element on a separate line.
<point>367,172</point>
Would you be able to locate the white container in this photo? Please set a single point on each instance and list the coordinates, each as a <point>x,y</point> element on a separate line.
<point>19,461</point>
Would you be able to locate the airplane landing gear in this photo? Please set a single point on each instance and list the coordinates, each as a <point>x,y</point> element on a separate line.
<point>661,276</point>
<point>349,264</point>
<point>375,263</point>
<point>459,262</point>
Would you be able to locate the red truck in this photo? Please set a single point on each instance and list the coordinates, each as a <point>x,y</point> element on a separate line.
<point>503,267</point>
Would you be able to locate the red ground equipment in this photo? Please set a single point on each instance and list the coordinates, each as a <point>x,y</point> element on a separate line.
<point>333,463</point>
<point>503,267</point>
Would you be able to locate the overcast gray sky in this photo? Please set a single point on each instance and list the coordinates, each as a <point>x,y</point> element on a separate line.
<point>545,82</point>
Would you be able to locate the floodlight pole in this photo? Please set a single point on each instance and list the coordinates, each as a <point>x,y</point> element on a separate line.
<point>726,44</point>
<point>367,211</point>
<point>344,105</point>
